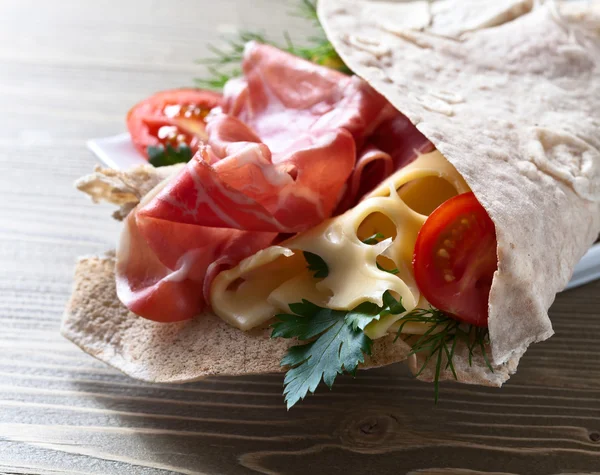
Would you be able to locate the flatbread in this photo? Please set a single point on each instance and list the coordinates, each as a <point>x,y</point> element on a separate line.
<point>97,322</point>
<point>509,92</point>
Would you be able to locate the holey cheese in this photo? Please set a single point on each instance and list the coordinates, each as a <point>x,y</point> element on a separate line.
<point>265,284</point>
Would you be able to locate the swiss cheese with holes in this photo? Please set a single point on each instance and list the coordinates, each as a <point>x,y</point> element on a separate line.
<point>266,283</point>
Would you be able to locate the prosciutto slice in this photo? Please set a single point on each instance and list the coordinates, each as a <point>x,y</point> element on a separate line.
<point>291,144</point>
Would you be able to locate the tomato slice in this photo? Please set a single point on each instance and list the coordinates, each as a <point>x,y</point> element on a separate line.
<point>455,259</point>
<point>175,117</point>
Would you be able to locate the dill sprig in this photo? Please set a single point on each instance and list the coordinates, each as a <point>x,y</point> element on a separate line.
<point>319,49</point>
<point>235,49</point>
<point>226,61</point>
<point>308,9</point>
<point>217,78</point>
<point>441,339</point>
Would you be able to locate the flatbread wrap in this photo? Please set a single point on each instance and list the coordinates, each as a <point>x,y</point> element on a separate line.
<point>313,197</point>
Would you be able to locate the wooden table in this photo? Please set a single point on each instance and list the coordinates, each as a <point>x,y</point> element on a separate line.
<point>69,71</point>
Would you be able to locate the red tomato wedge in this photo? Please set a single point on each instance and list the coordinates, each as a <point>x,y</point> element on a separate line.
<point>455,259</point>
<point>172,117</point>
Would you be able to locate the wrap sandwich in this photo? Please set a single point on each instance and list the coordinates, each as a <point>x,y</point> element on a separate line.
<point>425,207</point>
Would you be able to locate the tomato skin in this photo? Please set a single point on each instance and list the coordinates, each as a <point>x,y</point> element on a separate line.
<point>455,259</point>
<point>146,118</point>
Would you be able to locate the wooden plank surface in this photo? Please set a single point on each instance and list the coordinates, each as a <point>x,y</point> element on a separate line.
<point>69,70</point>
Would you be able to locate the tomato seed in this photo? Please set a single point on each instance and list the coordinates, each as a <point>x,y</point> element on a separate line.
<point>443,253</point>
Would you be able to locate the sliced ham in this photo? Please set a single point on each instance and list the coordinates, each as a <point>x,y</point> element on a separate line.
<point>395,143</point>
<point>292,143</point>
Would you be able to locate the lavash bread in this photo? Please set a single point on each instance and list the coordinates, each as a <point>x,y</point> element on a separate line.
<point>509,92</point>
<point>97,322</point>
<point>493,101</point>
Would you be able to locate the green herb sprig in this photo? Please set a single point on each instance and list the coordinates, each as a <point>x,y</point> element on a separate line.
<point>316,264</point>
<point>375,239</point>
<point>319,49</point>
<point>440,340</point>
<point>393,271</point>
<point>336,344</point>
<point>225,64</point>
<point>161,156</point>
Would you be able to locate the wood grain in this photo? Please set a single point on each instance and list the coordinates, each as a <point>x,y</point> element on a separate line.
<point>69,71</point>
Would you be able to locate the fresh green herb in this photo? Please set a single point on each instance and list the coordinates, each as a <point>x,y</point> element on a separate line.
<point>374,239</point>
<point>161,156</point>
<point>362,315</point>
<point>337,349</point>
<point>234,53</point>
<point>391,271</point>
<point>299,324</point>
<point>319,50</point>
<point>391,306</point>
<point>338,344</point>
<point>226,61</point>
<point>217,78</point>
<point>316,264</point>
<point>366,312</point>
<point>440,341</point>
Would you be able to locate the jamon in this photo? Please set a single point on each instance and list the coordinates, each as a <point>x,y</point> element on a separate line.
<point>292,144</point>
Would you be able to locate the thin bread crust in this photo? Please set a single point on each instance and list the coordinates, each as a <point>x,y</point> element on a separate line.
<point>97,322</point>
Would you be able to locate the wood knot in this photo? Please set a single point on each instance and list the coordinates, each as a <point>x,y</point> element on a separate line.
<point>370,427</point>
<point>594,436</point>
<point>367,431</point>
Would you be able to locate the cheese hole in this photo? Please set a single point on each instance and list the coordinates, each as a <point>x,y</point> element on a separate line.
<point>423,195</point>
<point>387,264</point>
<point>375,228</point>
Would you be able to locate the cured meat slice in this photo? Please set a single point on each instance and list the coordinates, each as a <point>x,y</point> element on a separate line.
<point>292,143</point>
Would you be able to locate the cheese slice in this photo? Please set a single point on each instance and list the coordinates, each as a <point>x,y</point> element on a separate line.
<point>264,284</point>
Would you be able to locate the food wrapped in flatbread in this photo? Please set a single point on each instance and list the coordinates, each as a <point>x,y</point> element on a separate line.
<point>427,209</point>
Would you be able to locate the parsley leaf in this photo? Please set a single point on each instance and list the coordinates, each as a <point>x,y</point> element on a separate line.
<point>316,264</point>
<point>160,156</point>
<point>362,315</point>
<point>340,344</point>
<point>338,349</point>
<point>300,324</point>
<point>391,306</point>
<point>374,239</point>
